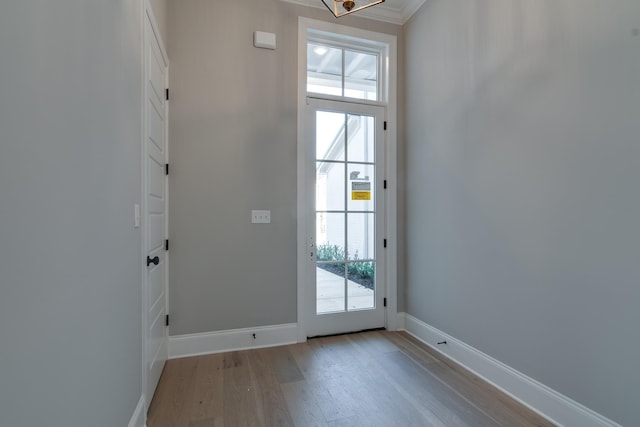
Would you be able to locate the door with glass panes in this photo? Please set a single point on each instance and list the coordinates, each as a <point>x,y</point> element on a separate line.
<point>345,174</point>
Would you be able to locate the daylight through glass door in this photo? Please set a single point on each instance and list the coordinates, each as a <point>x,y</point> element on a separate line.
<point>345,212</point>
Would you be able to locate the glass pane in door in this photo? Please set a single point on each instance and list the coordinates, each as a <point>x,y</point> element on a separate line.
<point>329,186</point>
<point>361,187</point>
<point>345,212</point>
<point>361,285</point>
<point>361,146</point>
<point>330,237</point>
<point>330,262</point>
<point>330,129</point>
<point>360,236</point>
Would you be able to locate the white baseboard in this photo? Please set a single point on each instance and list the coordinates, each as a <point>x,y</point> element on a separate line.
<point>138,418</point>
<point>231,340</point>
<point>547,402</point>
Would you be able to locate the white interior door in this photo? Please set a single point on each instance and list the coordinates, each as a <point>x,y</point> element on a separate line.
<point>155,210</point>
<point>345,175</point>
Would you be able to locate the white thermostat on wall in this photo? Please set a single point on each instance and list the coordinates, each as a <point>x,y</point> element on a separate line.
<point>264,40</point>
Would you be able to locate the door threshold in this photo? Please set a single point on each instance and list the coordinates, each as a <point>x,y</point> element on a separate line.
<point>347,333</point>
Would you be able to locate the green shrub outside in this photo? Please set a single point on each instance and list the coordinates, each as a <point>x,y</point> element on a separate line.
<point>360,272</point>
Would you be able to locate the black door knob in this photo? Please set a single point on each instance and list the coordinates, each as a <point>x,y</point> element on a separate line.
<point>155,261</point>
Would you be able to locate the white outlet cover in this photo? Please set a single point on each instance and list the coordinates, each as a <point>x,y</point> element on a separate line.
<point>260,217</point>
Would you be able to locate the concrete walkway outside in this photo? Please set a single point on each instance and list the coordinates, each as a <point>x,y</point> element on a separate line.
<point>330,293</point>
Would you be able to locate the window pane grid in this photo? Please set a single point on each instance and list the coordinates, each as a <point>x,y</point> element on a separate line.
<point>338,71</point>
<point>345,212</point>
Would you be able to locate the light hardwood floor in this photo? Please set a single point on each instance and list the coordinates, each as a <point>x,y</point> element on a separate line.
<point>364,379</point>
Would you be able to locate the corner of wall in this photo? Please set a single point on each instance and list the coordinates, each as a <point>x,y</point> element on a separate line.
<point>547,402</point>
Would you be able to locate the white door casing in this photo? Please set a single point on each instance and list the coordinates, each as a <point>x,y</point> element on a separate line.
<point>388,51</point>
<point>155,219</point>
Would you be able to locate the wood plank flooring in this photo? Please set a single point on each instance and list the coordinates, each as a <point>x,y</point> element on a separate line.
<point>366,379</point>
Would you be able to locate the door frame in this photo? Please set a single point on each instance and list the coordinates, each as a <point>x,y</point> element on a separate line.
<point>147,14</point>
<point>305,215</point>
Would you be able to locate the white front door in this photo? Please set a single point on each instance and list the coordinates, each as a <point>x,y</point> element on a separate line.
<point>155,210</point>
<point>345,175</point>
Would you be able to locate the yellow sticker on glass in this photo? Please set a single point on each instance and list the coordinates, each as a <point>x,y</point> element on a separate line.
<point>361,195</point>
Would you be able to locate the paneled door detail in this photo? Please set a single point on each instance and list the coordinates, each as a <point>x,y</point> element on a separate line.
<point>155,211</point>
<point>346,266</point>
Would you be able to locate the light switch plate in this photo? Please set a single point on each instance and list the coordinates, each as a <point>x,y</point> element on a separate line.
<point>261,217</point>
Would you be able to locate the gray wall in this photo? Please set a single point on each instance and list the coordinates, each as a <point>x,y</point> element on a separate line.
<point>232,149</point>
<point>69,175</point>
<point>523,164</point>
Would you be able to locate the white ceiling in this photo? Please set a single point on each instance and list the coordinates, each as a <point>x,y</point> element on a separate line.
<point>394,11</point>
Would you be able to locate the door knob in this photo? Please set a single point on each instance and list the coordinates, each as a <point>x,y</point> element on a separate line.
<point>155,260</point>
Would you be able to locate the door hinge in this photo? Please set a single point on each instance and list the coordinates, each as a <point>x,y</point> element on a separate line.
<point>166,244</point>
<point>384,243</point>
<point>385,184</point>
<point>167,94</point>
<point>385,125</point>
<point>384,302</point>
<point>166,320</point>
<point>166,169</point>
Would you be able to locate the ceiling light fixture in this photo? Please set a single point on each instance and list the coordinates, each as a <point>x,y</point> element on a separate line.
<point>320,50</point>
<point>344,7</point>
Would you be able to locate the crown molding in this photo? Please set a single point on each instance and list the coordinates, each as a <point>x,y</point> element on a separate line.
<point>382,12</point>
